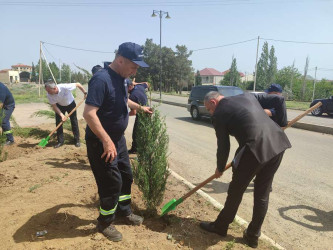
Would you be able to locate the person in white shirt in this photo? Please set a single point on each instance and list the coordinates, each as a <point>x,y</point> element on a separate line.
<point>62,100</point>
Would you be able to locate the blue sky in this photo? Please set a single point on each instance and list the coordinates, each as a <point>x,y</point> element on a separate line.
<point>103,25</point>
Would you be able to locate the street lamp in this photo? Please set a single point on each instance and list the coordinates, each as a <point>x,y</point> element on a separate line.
<point>160,13</point>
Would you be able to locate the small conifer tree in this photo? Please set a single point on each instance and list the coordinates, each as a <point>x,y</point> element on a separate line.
<point>151,169</point>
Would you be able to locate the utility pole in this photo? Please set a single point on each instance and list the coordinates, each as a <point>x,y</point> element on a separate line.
<point>40,67</point>
<point>255,75</point>
<point>314,84</point>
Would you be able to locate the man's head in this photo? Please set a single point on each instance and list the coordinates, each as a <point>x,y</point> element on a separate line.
<point>96,68</point>
<point>130,84</point>
<point>128,59</point>
<point>274,89</point>
<point>211,101</point>
<point>51,87</point>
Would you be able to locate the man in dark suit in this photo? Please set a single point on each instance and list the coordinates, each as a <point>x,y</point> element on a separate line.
<point>261,147</point>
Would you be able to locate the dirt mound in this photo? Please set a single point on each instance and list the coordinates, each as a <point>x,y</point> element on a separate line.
<point>54,190</point>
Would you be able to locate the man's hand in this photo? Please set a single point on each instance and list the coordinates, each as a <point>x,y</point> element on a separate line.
<point>218,174</point>
<point>63,117</point>
<point>110,151</point>
<point>147,110</point>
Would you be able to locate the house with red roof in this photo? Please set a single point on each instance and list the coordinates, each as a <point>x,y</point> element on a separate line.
<point>210,76</point>
<point>22,67</point>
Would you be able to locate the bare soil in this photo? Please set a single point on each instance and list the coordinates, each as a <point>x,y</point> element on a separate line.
<point>54,190</point>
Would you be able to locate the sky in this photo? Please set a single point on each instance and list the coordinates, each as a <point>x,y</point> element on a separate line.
<point>205,27</point>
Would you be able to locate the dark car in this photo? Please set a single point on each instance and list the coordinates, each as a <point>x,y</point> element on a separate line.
<point>327,107</point>
<point>195,104</point>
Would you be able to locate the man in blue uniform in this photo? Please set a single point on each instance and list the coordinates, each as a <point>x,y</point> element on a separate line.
<point>106,113</point>
<point>137,95</point>
<point>7,106</point>
<point>274,104</point>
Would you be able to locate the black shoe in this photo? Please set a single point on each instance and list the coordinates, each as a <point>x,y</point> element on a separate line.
<point>110,232</point>
<point>59,145</point>
<point>77,144</point>
<point>132,151</point>
<point>251,241</point>
<point>210,227</point>
<point>133,219</point>
<point>8,143</point>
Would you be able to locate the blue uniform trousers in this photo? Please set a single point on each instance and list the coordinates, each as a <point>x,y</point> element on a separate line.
<point>114,180</point>
<point>6,129</point>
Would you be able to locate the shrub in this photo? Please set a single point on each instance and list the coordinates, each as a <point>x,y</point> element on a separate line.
<point>151,169</point>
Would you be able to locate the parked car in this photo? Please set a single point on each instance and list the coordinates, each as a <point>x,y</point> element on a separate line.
<point>327,106</point>
<point>195,104</point>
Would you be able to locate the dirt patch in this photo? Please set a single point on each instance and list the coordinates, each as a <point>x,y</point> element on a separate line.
<point>54,190</point>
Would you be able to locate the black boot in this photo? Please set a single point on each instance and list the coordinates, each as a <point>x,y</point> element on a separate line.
<point>211,227</point>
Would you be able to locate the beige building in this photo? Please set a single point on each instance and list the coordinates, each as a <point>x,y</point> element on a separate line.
<point>22,67</point>
<point>9,76</point>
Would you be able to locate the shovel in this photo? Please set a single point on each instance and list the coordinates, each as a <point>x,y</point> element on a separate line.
<point>45,141</point>
<point>171,205</point>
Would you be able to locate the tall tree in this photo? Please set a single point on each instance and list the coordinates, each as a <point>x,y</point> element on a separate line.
<point>262,69</point>
<point>232,77</point>
<point>272,66</point>
<point>184,69</point>
<point>198,80</point>
<point>33,73</point>
<point>65,73</point>
<point>306,67</point>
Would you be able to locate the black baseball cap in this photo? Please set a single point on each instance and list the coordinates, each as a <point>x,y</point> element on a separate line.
<point>274,88</point>
<point>132,52</point>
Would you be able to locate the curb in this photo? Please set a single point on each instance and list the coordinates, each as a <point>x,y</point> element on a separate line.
<point>219,206</point>
<point>299,125</point>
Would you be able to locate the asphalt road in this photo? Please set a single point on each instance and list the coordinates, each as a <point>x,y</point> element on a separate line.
<point>300,215</point>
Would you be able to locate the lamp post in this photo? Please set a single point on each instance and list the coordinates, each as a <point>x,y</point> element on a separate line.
<point>160,13</point>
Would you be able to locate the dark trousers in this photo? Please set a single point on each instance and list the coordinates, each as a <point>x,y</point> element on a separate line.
<point>134,133</point>
<point>6,113</point>
<point>248,168</point>
<point>114,180</point>
<point>74,123</point>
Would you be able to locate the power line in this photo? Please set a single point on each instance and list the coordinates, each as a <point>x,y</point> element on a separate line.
<point>67,47</point>
<point>286,41</point>
<point>225,45</point>
<point>160,3</point>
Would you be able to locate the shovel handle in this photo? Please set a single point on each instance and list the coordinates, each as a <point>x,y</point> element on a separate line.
<point>203,183</point>
<point>292,122</point>
<point>70,113</point>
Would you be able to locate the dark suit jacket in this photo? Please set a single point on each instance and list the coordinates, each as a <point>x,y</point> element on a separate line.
<point>242,117</point>
<point>276,102</point>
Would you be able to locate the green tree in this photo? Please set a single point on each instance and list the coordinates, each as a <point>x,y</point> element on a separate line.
<point>198,80</point>
<point>267,67</point>
<point>65,73</point>
<point>33,73</point>
<point>272,66</point>
<point>262,68</point>
<point>184,71</point>
<point>232,77</point>
<point>151,169</point>
<point>46,74</point>
<point>285,75</point>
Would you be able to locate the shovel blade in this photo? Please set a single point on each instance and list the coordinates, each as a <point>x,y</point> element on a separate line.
<point>171,205</point>
<point>44,142</point>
